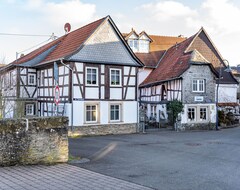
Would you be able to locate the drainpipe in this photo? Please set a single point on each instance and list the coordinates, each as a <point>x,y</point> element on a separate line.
<point>72,91</point>
<point>27,124</point>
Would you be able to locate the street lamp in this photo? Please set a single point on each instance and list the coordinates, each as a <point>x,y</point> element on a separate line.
<point>228,69</point>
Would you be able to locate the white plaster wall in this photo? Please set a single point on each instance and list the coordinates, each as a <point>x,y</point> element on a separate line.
<point>211,110</point>
<point>142,74</point>
<point>130,93</point>
<point>130,112</point>
<point>227,93</point>
<point>91,93</point>
<point>116,93</point>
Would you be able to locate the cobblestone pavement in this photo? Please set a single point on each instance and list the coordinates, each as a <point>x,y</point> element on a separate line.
<point>62,176</point>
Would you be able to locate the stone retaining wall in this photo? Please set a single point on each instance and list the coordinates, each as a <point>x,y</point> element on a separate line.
<point>93,130</point>
<point>43,141</point>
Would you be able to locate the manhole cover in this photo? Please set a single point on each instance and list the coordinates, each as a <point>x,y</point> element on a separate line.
<point>193,144</point>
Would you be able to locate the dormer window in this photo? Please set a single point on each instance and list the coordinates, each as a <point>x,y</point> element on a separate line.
<point>133,43</point>
<point>143,46</point>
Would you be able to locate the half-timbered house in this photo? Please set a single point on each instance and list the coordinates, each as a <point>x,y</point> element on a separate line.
<point>187,71</point>
<point>94,73</point>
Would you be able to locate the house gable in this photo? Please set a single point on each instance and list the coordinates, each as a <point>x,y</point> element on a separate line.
<point>203,44</point>
<point>105,46</point>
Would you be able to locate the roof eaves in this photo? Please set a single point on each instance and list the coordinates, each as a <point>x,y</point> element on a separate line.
<point>158,82</point>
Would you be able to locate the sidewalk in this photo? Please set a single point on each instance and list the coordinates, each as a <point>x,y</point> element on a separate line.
<point>62,176</point>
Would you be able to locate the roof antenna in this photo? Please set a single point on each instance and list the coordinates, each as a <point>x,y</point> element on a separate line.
<point>67,28</point>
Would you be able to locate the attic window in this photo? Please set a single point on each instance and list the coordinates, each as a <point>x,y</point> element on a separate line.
<point>143,46</point>
<point>133,44</point>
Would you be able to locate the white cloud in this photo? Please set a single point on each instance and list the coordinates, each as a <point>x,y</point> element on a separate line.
<point>72,11</point>
<point>168,10</point>
<point>218,17</point>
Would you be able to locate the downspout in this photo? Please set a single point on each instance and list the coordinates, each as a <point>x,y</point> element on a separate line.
<point>72,91</point>
<point>27,124</point>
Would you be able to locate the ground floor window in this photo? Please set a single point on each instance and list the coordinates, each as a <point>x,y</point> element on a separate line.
<point>191,114</point>
<point>29,109</point>
<point>153,111</point>
<point>115,112</point>
<point>91,113</point>
<point>197,113</point>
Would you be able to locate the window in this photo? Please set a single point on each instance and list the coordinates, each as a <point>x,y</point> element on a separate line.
<point>198,114</point>
<point>115,112</point>
<point>115,77</point>
<point>144,46</point>
<point>31,79</point>
<point>91,113</point>
<point>153,112</point>
<point>92,75</point>
<point>203,114</point>
<point>133,44</point>
<point>191,114</point>
<point>29,109</point>
<point>198,85</point>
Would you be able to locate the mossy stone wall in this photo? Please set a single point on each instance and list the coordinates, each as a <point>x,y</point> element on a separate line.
<point>43,141</point>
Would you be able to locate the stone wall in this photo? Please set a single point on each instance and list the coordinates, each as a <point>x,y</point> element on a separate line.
<point>197,126</point>
<point>93,130</point>
<point>198,72</point>
<point>43,141</point>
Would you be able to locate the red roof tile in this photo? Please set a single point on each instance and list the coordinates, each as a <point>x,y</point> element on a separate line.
<point>66,45</point>
<point>173,64</point>
<point>150,59</point>
<point>158,46</point>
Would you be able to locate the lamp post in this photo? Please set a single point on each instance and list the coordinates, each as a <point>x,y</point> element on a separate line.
<point>228,69</point>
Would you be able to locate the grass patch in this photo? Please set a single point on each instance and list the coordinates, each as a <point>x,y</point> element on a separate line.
<point>72,158</point>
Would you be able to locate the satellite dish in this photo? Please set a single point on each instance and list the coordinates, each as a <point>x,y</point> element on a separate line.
<point>67,27</point>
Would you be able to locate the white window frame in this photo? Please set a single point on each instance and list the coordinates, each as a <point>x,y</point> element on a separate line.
<point>30,107</point>
<point>133,43</point>
<point>197,112</point>
<point>120,77</point>
<point>97,113</point>
<point>197,82</point>
<point>202,107</point>
<point>86,74</point>
<point>119,111</point>
<point>30,75</point>
<point>143,46</point>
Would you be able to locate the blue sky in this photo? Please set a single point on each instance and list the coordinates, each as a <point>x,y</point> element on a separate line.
<point>161,17</point>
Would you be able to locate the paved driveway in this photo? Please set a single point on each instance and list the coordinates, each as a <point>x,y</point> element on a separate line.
<point>166,159</point>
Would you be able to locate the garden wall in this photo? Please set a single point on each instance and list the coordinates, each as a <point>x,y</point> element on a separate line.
<point>41,140</point>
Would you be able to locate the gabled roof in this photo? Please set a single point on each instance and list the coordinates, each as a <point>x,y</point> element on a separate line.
<point>158,45</point>
<point>67,45</point>
<point>64,46</point>
<point>179,57</point>
<point>172,65</point>
<point>150,59</point>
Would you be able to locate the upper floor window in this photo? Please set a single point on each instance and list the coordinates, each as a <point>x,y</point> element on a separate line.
<point>133,44</point>
<point>115,77</point>
<point>198,85</point>
<point>144,46</point>
<point>31,79</point>
<point>92,76</point>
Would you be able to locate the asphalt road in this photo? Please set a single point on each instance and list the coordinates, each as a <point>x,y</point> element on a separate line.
<point>166,159</point>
